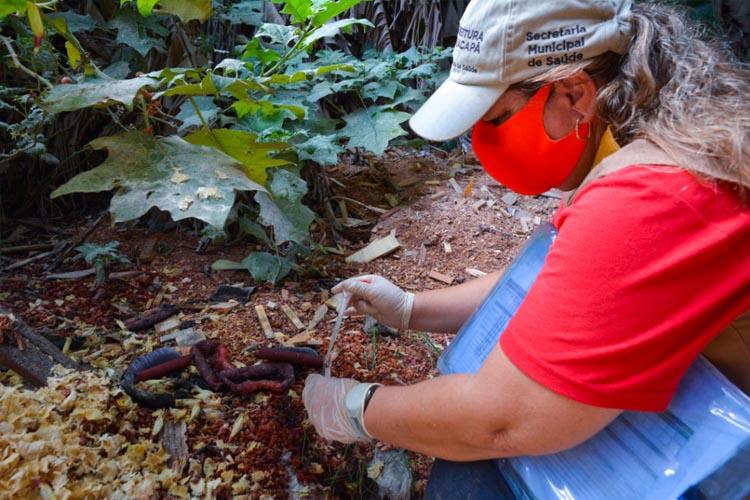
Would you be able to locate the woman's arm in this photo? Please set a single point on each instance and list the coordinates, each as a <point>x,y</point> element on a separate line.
<point>446,310</point>
<point>499,412</point>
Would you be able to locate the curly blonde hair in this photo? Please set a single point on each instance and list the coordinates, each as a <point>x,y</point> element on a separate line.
<point>678,89</point>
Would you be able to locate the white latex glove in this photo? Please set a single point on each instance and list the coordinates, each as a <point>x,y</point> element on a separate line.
<point>324,399</point>
<point>379,298</point>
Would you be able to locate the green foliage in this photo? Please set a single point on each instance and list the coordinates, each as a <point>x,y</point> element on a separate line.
<point>263,266</point>
<point>183,179</point>
<point>102,254</point>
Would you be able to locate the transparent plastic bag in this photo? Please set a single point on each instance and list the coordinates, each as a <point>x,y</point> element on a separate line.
<point>698,448</point>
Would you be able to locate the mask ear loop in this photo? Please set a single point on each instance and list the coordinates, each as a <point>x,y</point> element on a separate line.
<point>578,132</point>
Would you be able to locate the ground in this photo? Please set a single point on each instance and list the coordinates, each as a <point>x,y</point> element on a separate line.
<point>448,216</point>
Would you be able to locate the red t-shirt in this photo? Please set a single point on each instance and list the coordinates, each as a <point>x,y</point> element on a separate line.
<point>649,265</point>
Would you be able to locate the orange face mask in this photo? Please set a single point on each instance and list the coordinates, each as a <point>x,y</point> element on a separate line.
<point>520,154</point>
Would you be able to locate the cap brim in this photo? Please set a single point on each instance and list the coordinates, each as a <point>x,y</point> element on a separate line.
<point>453,109</point>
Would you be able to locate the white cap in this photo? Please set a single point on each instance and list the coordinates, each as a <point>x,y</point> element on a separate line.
<point>504,42</point>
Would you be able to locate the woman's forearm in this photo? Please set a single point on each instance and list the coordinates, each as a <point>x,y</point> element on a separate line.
<point>445,310</point>
<point>435,418</point>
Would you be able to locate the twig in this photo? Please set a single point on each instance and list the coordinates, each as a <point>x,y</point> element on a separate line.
<point>27,248</point>
<point>17,64</point>
<point>23,262</point>
<point>75,242</point>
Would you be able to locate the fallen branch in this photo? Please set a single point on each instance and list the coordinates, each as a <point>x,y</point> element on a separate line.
<point>34,362</point>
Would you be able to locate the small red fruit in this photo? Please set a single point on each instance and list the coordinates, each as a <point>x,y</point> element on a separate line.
<point>66,80</point>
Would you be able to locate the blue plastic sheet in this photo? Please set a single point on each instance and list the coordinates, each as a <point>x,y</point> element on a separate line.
<point>698,448</point>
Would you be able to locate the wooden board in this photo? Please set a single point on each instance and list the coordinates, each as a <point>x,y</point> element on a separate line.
<point>264,323</point>
<point>444,278</point>
<point>375,250</point>
<point>292,317</point>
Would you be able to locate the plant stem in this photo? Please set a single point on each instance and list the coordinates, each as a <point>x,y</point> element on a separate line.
<point>17,64</point>
<point>292,52</point>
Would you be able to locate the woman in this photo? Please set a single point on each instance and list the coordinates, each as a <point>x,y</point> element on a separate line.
<point>652,258</point>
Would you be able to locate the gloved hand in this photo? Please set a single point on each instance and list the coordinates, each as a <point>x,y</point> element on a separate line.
<point>325,402</point>
<point>379,298</point>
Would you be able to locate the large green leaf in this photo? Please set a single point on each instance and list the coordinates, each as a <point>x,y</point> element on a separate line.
<point>189,117</point>
<point>245,12</point>
<point>334,28</point>
<point>300,10</point>
<point>262,265</point>
<point>75,22</point>
<point>130,32</point>
<point>333,9</point>
<point>186,10</point>
<point>373,129</point>
<point>169,173</point>
<point>322,149</point>
<point>11,7</point>
<point>254,156</point>
<point>96,91</point>
<point>285,213</point>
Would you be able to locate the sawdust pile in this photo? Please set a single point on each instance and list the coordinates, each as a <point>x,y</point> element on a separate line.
<point>70,440</point>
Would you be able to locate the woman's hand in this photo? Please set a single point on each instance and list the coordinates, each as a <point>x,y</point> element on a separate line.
<point>325,402</point>
<point>379,298</point>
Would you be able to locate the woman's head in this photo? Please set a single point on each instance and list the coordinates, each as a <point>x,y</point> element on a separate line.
<point>670,86</point>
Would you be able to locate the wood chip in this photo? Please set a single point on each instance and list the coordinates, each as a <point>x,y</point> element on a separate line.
<point>167,325</point>
<point>293,317</point>
<point>510,199</point>
<point>320,313</point>
<point>173,437</point>
<point>422,255</point>
<point>444,278</point>
<point>224,306</point>
<point>447,247</point>
<point>476,273</point>
<point>476,206</point>
<point>469,189</point>
<point>376,249</point>
<point>433,182</point>
<point>304,338</point>
<point>438,195</point>
<point>455,185</point>
<point>264,323</point>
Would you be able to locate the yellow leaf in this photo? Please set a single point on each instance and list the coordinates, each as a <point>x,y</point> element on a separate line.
<point>74,55</point>
<point>35,19</point>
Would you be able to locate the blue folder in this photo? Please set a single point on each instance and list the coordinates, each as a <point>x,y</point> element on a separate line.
<point>699,448</point>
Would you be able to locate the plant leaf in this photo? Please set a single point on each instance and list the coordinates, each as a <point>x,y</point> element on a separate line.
<point>333,9</point>
<point>186,10</point>
<point>94,92</point>
<point>242,146</point>
<point>322,149</point>
<point>189,116</point>
<point>333,29</point>
<point>285,213</point>
<point>169,173</point>
<point>300,10</point>
<point>266,267</point>
<point>373,129</point>
<point>262,265</point>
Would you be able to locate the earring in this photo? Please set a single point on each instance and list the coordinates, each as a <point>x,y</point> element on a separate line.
<point>578,132</point>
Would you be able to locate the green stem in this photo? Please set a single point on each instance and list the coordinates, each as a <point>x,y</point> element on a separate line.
<point>292,52</point>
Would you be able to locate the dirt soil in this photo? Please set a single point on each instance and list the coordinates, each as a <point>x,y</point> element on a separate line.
<point>453,229</point>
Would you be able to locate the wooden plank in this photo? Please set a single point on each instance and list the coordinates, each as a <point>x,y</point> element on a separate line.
<point>264,323</point>
<point>318,316</point>
<point>292,317</point>
<point>444,278</point>
<point>476,273</point>
<point>304,338</point>
<point>375,250</point>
